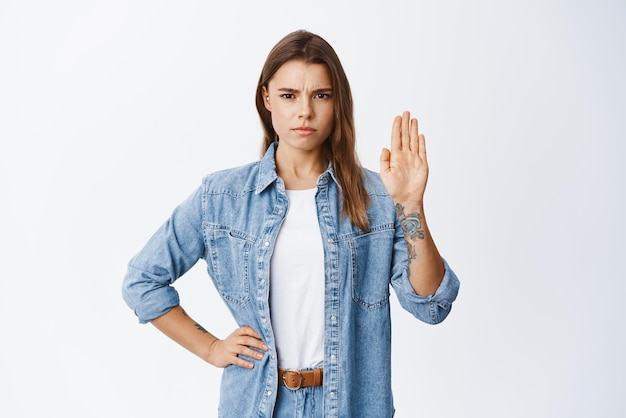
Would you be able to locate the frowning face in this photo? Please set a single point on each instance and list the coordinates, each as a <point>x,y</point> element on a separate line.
<point>300,99</point>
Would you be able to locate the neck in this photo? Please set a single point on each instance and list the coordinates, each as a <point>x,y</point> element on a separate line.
<point>300,170</point>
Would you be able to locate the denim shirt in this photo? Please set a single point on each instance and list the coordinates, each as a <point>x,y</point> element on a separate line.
<point>231,222</point>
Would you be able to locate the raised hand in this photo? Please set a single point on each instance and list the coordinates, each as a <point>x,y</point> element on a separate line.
<point>404,169</point>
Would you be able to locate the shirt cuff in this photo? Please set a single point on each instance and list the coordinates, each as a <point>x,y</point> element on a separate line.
<point>434,308</point>
<point>149,299</point>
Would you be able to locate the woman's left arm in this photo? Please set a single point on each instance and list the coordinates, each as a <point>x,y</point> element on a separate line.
<point>404,172</point>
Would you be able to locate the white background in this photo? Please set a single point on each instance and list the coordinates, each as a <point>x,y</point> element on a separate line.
<point>111,113</point>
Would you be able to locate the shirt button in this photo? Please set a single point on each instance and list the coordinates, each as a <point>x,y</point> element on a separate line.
<point>324,208</point>
<point>332,356</point>
<point>329,240</point>
<point>332,394</point>
<point>264,320</point>
<point>266,243</point>
<point>269,393</point>
<point>280,211</point>
<point>262,281</point>
<point>333,277</point>
<point>333,318</point>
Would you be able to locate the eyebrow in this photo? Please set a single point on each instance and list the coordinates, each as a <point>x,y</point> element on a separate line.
<point>322,90</point>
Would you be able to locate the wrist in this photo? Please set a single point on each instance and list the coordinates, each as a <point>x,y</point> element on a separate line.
<point>408,207</point>
<point>211,351</point>
<point>411,220</point>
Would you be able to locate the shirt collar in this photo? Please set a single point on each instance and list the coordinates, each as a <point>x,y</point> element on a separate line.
<point>267,171</point>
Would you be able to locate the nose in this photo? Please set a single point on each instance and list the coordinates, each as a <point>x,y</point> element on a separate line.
<point>306,110</point>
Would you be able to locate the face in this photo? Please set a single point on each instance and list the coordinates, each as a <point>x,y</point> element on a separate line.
<point>300,99</point>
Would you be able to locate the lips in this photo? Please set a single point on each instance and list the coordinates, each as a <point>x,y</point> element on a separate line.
<point>304,130</point>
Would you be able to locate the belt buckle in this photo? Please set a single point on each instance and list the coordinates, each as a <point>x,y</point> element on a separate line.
<point>299,383</point>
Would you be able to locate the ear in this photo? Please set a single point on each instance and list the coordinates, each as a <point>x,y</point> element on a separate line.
<point>266,98</point>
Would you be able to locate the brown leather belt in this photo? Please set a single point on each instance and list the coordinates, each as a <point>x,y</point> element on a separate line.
<point>296,379</point>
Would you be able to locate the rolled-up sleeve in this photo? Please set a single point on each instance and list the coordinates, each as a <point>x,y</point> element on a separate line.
<point>174,249</point>
<point>430,309</point>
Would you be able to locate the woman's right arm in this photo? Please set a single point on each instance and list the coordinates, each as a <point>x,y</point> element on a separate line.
<point>179,326</point>
<point>148,290</point>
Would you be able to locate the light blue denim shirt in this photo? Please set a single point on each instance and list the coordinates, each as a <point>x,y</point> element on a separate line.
<point>231,222</point>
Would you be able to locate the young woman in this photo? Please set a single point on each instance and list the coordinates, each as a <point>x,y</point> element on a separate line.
<point>302,246</point>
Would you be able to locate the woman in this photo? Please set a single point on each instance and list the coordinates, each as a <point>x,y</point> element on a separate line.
<point>302,246</point>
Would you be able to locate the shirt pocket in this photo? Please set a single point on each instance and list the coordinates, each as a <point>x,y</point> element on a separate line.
<point>229,253</point>
<point>371,265</point>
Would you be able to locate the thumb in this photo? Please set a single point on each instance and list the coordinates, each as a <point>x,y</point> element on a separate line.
<point>385,160</point>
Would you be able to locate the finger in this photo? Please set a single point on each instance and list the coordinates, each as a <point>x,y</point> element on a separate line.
<point>247,336</point>
<point>406,137</point>
<point>238,361</point>
<point>237,351</point>
<point>422,147</point>
<point>248,352</point>
<point>234,352</point>
<point>250,342</point>
<point>247,330</point>
<point>414,136</point>
<point>396,140</point>
<point>227,353</point>
<point>385,160</point>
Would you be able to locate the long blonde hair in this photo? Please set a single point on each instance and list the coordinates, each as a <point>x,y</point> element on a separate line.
<point>340,147</point>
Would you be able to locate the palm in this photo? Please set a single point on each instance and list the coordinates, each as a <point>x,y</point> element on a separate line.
<point>404,169</point>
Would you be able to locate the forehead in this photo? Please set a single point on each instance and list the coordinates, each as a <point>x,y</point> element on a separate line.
<point>300,75</point>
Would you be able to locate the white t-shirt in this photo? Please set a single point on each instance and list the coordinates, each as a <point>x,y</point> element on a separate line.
<point>297,285</point>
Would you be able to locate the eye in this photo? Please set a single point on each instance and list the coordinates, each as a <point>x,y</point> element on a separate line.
<point>287,96</point>
<point>322,96</point>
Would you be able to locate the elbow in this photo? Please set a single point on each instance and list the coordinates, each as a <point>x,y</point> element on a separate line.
<point>148,298</point>
<point>438,311</point>
<point>133,293</point>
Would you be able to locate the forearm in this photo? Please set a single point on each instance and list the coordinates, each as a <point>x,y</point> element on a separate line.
<point>244,341</point>
<point>426,268</point>
<point>177,325</point>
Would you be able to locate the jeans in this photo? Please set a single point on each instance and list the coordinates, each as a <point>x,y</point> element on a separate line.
<point>302,403</point>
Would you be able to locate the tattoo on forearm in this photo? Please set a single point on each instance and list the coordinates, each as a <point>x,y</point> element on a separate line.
<point>410,224</point>
<point>201,328</point>
<point>412,228</point>
<point>410,249</point>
